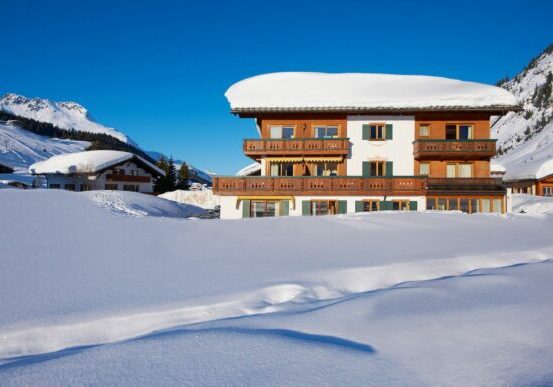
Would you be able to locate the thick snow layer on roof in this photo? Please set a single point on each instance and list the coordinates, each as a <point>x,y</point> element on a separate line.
<point>295,90</point>
<point>249,169</point>
<point>83,162</point>
<point>536,169</point>
<point>497,167</point>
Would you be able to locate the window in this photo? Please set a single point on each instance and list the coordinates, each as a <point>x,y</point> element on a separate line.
<point>119,172</point>
<point>55,186</point>
<point>323,207</point>
<point>282,169</point>
<point>110,187</point>
<point>464,205</point>
<point>376,132</point>
<point>280,131</point>
<point>459,170</point>
<point>371,205</point>
<point>377,168</point>
<point>458,132</point>
<point>400,205</point>
<point>69,187</point>
<point>424,169</point>
<point>547,191</point>
<point>451,170</point>
<point>326,169</point>
<point>85,187</point>
<point>326,132</point>
<point>486,205</point>
<point>130,187</point>
<point>453,204</point>
<point>133,172</point>
<point>424,130</point>
<point>465,170</point>
<point>497,206</point>
<point>263,208</point>
<point>468,205</point>
<point>430,204</point>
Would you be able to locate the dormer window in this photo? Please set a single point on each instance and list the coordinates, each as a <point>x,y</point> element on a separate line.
<point>280,131</point>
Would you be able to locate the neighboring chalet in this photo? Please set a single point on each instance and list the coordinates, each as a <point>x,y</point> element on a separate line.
<point>535,178</point>
<point>15,178</point>
<point>5,168</point>
<point>344,143</point>
<point>98,170</point>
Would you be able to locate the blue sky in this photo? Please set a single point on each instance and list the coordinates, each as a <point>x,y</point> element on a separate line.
<point>157,70</point>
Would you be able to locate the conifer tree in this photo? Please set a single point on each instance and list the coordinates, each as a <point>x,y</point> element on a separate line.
<point>184,176</point>
<point>171,175</point>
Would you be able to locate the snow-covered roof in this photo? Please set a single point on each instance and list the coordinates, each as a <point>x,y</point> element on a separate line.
<point>249,170</point>
<point>532,170</point>
<point>87,162</point>
<point>296,91</point>
<point>497,167</point>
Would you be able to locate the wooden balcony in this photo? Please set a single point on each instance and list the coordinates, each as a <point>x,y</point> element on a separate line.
<point>303,185</point>
<point>464,185</point>
<point>128,178</point>
<point>296,147</point>
<point>453,149</point>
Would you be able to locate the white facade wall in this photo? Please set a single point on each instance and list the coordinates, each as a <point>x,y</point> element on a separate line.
<point>230,211</point>
<point>399,149</point>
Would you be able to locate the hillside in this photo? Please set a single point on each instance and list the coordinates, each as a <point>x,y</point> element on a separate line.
<point>64,115</point>
<point>528,135</point>
<point>20,148</point>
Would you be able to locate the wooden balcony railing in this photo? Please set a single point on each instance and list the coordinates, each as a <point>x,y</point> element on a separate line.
<point>296,146</point>
<point>444,184</point>
<point>458,149</point>
<point>128,178</point>
<point>303,185</point>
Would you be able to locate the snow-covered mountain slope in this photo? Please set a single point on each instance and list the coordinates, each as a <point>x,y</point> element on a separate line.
<point>20,148</point>
<point>527,136</point>
<point>65,115</point>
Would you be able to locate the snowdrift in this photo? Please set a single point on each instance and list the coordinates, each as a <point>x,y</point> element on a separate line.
<point>357,296</point>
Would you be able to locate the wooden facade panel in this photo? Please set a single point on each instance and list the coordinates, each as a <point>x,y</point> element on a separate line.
<point>438,122</point>
<point>438,168</point>
<point>303,123</point>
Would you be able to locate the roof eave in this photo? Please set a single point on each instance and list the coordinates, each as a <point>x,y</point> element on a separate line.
<point>496,109</point>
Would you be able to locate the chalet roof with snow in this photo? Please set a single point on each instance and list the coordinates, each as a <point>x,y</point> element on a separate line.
<point>532,170</point>
<point>361,92</point>
<point>95,161</point>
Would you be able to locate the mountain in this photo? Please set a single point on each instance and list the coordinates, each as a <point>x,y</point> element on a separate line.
<point>20,148</point>
<point>196,174</point>
<point>64,115</point>
<point>527,135</point>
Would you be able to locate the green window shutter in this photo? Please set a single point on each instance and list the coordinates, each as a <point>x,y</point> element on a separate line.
<point>246,209</point>
<point>389,168</point>
<point>358,206</point>
<point>284,208</point>
<point>412,205</point>
<point>386,205</point>
<point>389,131</point>
<point>366,168</point>
<point>366,132</point>
<point>306,207</point>
<point>342,206</point>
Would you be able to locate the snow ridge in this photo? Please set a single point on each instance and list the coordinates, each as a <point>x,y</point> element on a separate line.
<point>329,286</point>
